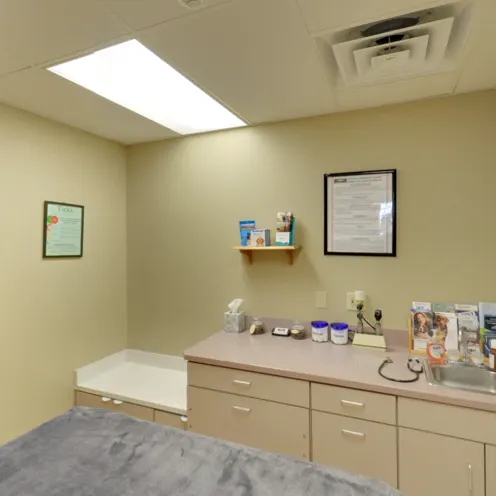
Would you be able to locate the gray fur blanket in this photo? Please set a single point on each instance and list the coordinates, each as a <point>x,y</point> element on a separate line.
<point>87,452</point>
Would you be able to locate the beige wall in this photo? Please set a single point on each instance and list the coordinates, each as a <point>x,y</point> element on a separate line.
<point>56,315</point>
<point>186,196</point>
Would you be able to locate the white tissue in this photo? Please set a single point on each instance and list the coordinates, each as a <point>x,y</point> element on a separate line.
<point>235,305</point>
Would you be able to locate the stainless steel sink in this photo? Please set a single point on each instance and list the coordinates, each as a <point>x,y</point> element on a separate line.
<point>460,375</point>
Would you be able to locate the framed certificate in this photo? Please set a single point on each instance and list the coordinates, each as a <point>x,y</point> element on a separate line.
<point>360,213</point>
<point>63,229</point>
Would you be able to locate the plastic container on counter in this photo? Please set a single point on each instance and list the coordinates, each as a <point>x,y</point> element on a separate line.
<point>339,333</point>
<point>320,331</point>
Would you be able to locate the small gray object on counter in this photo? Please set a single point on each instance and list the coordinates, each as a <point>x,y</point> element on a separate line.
<point>88,452</point>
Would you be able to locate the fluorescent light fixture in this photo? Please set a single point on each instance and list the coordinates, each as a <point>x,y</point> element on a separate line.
<point>134,77</point>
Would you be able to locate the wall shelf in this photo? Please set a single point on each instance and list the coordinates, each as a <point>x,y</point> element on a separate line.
<point>248,251</point>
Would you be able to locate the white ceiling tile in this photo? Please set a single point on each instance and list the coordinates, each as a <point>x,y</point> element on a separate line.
<point>43,93</point>
<point>255,56</point>
<point>479,70</point>
<point>400,91</point>
<point>321,15</point>
<point>37,31</point>
<point>139,14</point>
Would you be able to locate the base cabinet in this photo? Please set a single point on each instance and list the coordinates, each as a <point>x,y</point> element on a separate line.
<point>490,470</point>
<point>440,465</point>
<point>412,445</point>
<point>138,411</point>
<point>170,419</point>
<point>94,401</point>
<point>359,446</point>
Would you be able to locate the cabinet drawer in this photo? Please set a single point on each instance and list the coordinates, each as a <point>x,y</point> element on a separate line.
<point>362,447</point>
<point>455,421</point>
<point>170,419</point>
<point>94,401</point>
<point>354,403</point>
<point>263,386</point>
<point>258,423</point>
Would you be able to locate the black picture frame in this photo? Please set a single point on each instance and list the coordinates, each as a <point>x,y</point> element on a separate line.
<point>46,206</point>
<point>394,212</point>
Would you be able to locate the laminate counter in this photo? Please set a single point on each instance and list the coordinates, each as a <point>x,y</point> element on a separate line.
<point>326,363</point>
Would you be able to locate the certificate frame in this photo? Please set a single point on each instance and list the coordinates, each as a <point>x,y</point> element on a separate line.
<point>47,253</point>
<point>329,205</point>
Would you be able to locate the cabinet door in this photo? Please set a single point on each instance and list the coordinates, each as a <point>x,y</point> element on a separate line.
<point>358,446</point>
<point>490,470</point>
<point>435,464</point>
<point>261,424</point>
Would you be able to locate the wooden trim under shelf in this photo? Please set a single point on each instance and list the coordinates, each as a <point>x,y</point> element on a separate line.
<point>247,251</point>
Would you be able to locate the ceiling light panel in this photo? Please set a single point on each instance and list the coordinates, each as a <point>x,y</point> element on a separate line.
<point>134,77</point>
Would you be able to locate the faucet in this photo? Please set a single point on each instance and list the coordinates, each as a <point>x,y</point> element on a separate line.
<point>464,345</point>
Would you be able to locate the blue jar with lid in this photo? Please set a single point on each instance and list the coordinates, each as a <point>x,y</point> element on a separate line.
<point>339,333</point>
<point>320,331</point>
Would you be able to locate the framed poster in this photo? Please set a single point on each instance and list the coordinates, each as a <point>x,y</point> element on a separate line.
<point>360,213</point>
<point>63,229</point>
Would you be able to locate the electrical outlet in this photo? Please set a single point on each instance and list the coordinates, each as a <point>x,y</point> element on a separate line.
<point>350,301</point>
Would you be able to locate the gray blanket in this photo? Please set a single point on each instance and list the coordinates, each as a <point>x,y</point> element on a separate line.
<point>88,452</point>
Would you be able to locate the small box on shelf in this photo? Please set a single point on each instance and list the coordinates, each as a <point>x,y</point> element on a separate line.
<point>260,238</point>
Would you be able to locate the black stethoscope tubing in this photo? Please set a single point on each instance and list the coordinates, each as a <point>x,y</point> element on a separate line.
<point>417,372</point>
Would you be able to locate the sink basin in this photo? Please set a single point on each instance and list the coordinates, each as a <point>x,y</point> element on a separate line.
<point>460,375</point>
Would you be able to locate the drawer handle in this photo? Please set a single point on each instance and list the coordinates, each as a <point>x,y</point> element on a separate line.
<point>242,409</point>
<point>352,403</point>
<point>353,433</point>
<point>469,478</point>
<point>242,383</point>
<point>117,402</point>
<point>105,399</point>
<point>184,419</point>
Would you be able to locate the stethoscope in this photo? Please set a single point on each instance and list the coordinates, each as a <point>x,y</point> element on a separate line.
<point>413,365</point>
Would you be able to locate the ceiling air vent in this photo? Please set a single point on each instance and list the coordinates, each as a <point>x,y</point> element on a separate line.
<point>390,25</point>
<point>407,46</point>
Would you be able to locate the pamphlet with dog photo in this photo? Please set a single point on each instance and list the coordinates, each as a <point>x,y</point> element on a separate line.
<point>445,325</point>
<point>421,327</point>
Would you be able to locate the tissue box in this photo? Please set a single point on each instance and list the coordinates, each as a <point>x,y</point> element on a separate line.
<point>234,322</point>
<point>260,237</point>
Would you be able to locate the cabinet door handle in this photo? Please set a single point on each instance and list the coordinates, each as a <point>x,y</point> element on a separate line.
<point>105,399</point>
<point>242,409</point>
<point>241,383</point>
<point>352,403</point>
<point>117,402</point>
<point>353,433</point>
<point>470,478</point>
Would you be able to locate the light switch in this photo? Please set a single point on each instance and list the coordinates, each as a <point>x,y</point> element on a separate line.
<point>321,299</point>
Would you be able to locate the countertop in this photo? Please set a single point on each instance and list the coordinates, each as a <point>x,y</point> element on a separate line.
<point>327,363</point>
<point>148,379</point>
